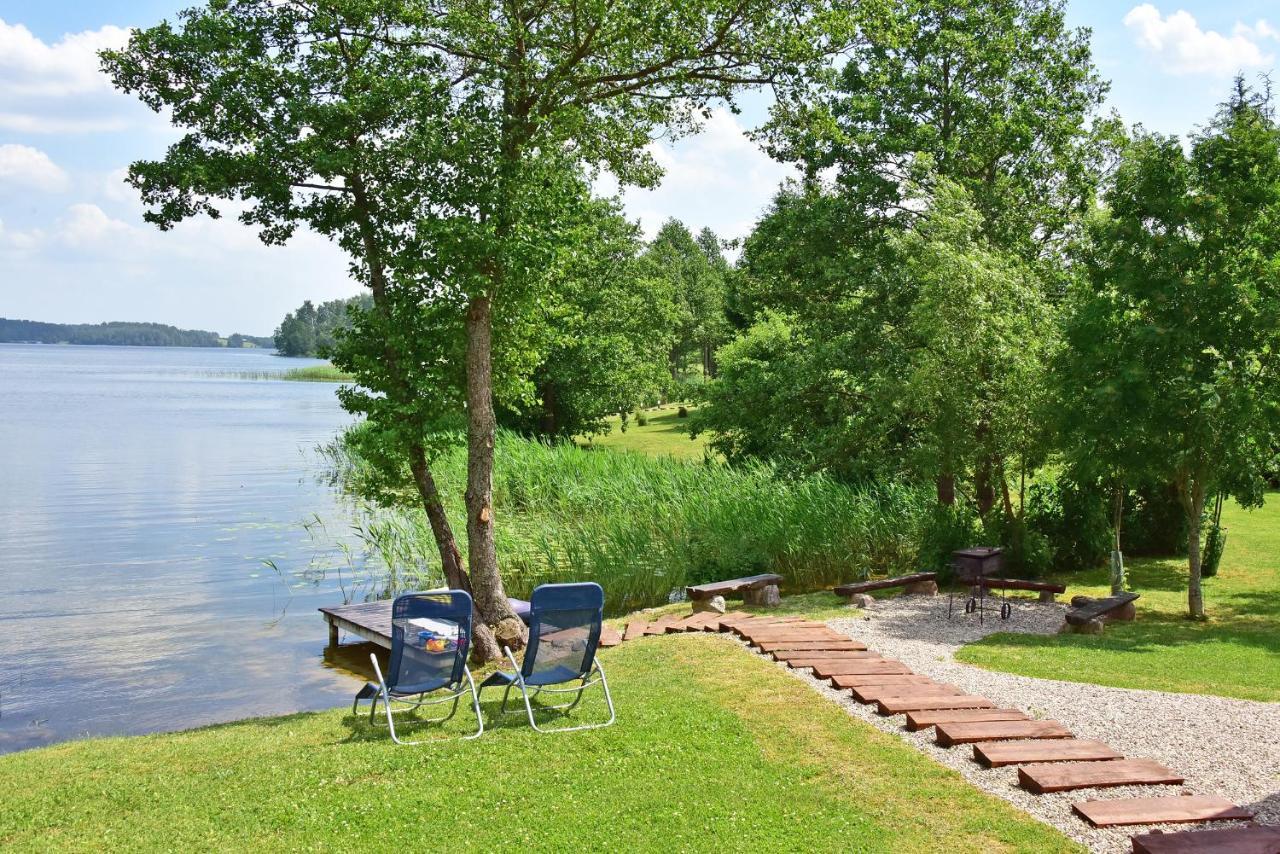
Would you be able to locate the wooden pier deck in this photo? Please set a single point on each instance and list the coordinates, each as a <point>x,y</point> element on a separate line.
<point>372,622</point>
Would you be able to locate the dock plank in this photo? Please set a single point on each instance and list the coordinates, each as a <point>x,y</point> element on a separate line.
<point>997,754</point>
<point>1174,809</point>
<point>970,732</point>
<point>898,705</point>
<point>926,718</point>
<point>1227,840</point>
<point>1042,778</point>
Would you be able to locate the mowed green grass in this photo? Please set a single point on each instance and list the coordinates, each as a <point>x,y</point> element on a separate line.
<point>665,434</point>
<point>714,749</point>
<point>1235,653</point>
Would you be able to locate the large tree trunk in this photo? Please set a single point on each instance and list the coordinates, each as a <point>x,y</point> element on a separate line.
<point>483,645</point>
<point>984,490</point>
<point>482,554</point>
<point>946,490</point>
<point>1192,491</point>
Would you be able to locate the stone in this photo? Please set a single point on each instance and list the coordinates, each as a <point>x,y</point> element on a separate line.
<point>1126,613</point>
<point>861,600</point>
<point>1093,627</point>
<point>714,605</point>
<point>1047,596</point>
<point>921,588</point>
<point>763,597</point>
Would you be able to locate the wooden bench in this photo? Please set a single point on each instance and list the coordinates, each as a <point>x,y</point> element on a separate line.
<point>1088,613</point>
<point>920,582</point>
<point>1046,589</point>
<point>755,589</point>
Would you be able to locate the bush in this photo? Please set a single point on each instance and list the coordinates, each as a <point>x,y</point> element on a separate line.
<point>1154,523</point>
<point>682,412</point>
<point>1027,553</point>
<point>944,530</point>
<point>1074,521</point>
<point>642,420</point>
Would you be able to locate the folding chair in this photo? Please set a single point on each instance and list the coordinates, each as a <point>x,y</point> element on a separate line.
<point>430,639</point>
<point>564,632</point>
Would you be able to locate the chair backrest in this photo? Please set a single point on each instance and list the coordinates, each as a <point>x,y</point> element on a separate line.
<point>564,630</point>
<point>430,639</point>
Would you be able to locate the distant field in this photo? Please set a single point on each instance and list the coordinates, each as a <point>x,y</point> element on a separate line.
<point>664,435</point>
<point>1234,653</point>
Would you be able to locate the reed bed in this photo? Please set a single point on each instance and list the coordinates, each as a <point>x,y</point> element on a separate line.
<point>644,527</point>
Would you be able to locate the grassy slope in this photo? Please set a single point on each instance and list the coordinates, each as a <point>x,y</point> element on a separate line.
<point>713,748</point>
<point>664,435</point>
<point>1235,653</point>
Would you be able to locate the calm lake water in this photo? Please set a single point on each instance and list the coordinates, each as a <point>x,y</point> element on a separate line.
<point>141,491</point>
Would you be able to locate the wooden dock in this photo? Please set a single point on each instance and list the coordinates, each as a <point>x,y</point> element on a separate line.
<point>372,622</point>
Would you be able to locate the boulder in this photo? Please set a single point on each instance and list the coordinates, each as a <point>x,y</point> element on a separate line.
<point>714,605</point>
<point>763,597</point>
<point>921,588</point>
<point>1124,614</point>
<point>1093,627</point>
<point>861,600</point>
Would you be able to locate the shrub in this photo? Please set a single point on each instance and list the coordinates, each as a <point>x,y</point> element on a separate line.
<point>1154,523</point>
<point>944,530</point>
<point>682,412</point>
<point>1074,521</point>
<point>642,420</point>
<point>1027,553</point>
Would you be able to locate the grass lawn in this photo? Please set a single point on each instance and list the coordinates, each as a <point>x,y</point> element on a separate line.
<point>1235,653</point>
<point>665,435</point>
<point>714,748</point>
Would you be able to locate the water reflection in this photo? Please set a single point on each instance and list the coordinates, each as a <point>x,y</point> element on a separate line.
<point>155,571</point>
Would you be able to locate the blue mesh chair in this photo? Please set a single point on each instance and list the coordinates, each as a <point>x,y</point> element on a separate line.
<point>564,632</point>
<point>430,639</point>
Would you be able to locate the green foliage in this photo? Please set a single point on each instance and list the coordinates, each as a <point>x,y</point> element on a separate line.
<point>1155,524</point>
<point>118,333</point>
<point>694,273</point>
<point>1072,517</point>
<point>644,527</point>
<point>946,529</point>
<point>312,330</point>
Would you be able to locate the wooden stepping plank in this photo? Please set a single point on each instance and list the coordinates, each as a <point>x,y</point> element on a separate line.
<point>875,693</point>
<point>917,721</point>
<point>853,680</point>
<point>722,622</point>
<point>897,705</point>
<point>659,626</point>
<point>749,629</point>
<point>756,640</point>
<point>997,754</point>
<point>1168,810</point>
<point>1229,840</point>
<point>969,732</point>
<point>609,636</point>
<point>827,661</point>
<point>635,629</point>
<point>692,623</point>
<point>810,646</point>
<point>1053,777</point>
<point>862,668</point>
<point>823,654</point>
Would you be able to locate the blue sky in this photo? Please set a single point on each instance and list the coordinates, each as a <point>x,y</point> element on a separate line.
<point>73,247</point>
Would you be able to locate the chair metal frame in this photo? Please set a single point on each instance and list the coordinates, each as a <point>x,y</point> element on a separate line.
<point>593,675</point>
<point>408,704</point>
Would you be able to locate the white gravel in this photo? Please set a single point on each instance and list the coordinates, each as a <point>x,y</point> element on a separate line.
<point>1222,746</point>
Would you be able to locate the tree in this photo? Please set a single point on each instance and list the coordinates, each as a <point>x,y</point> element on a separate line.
<point>605,334</point>
<point>1184,277</point>
<point>443,145</point>
<point>694,271</point>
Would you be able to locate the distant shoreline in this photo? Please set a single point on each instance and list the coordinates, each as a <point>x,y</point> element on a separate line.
<point>124,334</point>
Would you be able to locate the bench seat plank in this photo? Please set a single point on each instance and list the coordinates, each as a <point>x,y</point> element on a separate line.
<point>733,585</point>
<point>1085,613</point>
<point>883,583</point>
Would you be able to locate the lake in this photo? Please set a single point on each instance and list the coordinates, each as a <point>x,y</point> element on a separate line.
<point>145,496</point>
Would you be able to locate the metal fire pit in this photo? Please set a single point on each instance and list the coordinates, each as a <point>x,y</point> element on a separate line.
<point>969,568</point>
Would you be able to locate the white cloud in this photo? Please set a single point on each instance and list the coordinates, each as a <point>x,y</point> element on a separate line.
<point>58,87</point>
<point>87,226</point>
<point>718,178</point>
<point>28,168</point>
<point>1182,47</point>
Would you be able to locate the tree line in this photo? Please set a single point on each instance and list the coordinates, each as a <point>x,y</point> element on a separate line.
<point>120,333</point>
<point>978,278</point>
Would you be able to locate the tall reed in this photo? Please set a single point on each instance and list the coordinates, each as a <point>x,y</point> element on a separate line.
<point>644,527</point>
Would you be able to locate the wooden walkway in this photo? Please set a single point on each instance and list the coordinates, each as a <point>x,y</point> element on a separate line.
<point>999,737</point>
<point>372,622</point>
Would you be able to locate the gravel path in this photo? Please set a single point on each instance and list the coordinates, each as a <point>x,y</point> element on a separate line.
<point>1222,746</point>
